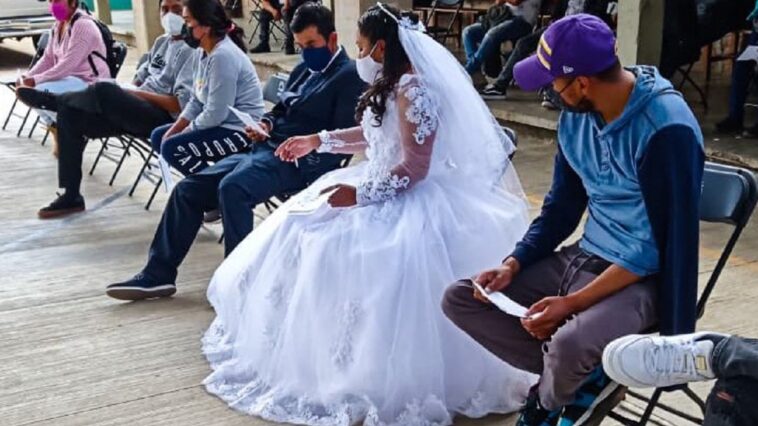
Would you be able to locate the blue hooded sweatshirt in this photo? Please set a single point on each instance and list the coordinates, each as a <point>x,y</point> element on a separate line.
<point>639,177</point>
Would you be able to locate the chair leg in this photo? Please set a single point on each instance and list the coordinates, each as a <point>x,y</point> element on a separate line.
<point>141,173</point>
<point>103,144</point>
<point>34,127</point>
<point>650,407</point>
<point>121,160</point>
<point>152,196</point>
<point>10,113</point>
<point>23,123</point>
<point>44,139</point>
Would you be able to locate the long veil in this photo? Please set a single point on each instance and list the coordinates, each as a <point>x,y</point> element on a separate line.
<point>469,139</point>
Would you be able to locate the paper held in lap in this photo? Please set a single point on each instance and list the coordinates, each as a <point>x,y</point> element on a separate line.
<point>503,302</point>
<point>311,203</point>
<point>248,121</point>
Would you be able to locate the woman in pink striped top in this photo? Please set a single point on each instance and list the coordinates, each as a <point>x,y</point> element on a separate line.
<point>68,63</point>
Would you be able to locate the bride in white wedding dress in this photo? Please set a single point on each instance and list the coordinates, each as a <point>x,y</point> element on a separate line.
<point>333,317</point>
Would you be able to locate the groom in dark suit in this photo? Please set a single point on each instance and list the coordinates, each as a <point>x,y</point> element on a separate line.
<point>321,94</point>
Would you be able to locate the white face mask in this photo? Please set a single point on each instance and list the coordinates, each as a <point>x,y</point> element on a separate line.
<point>368,69</point>
<point>172,24</point>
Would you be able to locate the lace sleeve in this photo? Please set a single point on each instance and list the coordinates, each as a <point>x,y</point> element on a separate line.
<point>347,141</point>
<point>418,125</point>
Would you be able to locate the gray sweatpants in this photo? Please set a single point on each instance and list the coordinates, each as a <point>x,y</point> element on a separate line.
<point>565,360</point>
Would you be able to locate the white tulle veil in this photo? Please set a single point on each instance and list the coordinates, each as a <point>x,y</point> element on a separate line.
<point>469,139</point>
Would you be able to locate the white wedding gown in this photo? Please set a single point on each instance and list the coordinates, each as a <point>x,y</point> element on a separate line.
<point>334,318</point>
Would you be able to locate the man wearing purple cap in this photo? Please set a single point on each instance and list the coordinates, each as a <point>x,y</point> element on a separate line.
<point>630,153</point>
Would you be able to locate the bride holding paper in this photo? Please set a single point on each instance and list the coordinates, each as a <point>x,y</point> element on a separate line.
<point>329,312</point>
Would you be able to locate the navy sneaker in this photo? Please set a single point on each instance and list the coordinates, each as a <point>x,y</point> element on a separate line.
<point>140,287</point>
<point>533,414</point>
<point>596,395</point>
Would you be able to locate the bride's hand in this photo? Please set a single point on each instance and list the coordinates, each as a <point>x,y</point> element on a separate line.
<point>344,196</point>
<point>297,147</point>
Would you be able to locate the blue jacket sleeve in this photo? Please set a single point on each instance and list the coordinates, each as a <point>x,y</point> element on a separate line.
<point>561,213</point>
<point>670,173</point>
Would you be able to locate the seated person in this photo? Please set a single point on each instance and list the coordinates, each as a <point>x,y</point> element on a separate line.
<point>630,151</point>
<point>515,19</point>
<point>524,47</point>
<point>321,94</point>
<point>742,74</point>
<point>207,130</point>
<point>106,109</point>
<point>274,10</point>
<point>74,56</point>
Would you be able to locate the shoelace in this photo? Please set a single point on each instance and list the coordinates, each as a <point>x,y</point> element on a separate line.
<point>672,358</point>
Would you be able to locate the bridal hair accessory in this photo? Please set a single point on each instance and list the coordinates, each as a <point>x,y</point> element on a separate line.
<point>403,22</point>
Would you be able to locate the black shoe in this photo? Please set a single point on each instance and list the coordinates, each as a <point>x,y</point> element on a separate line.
<point>62,206</point>
<point>533,414</point>
<point>493,93</point>
<point>213,216</point>
<point>40,99</point>
<point>729,125</point>
<point>596,394</point>
<point>140,287</point>
<point>261,48</point>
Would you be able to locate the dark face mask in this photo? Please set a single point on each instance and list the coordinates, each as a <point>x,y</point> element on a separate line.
<point>317,58</point>
<point>189,38</point>
<point>584,105</point>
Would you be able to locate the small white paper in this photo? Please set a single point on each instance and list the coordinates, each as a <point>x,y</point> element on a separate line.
<point>750,54</point>
<point>168,179</point>
<point>309,204</point>
<point>247,119</point>
<point>503,302</point>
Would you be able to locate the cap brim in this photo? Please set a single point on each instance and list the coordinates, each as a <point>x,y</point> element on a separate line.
<point>531,75</point>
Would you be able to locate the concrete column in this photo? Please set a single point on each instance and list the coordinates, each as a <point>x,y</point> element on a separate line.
<point>147,23</point>
<point>346,14</point>
<point>103,11</point>
<point>640,31</point>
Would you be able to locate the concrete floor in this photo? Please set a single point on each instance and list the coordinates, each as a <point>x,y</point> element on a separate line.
<point>71,356</point>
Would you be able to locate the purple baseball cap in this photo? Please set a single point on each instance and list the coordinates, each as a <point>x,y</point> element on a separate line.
<point>576,45</point>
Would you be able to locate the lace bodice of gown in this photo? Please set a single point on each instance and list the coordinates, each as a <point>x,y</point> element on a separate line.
<point>399,151</point>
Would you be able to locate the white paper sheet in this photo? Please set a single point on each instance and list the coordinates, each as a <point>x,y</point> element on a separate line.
<point>247,119</point>
<point>750,54</point>
<point>168,179</point>
<point>503,302</point>
<point>309,205</point>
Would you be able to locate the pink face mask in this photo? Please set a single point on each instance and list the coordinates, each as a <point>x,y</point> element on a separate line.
<point>59,10</point>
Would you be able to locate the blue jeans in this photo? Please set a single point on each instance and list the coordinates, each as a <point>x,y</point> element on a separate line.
<point>191,151</point>
<point>480,45</point>
<point>741,74</point>
<point>234,185</point>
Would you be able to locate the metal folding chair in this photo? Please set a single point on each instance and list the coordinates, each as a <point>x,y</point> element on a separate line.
<point>729,197</point>
<point>11,85</point>
<point>450,7</point>
<point>255,16</point>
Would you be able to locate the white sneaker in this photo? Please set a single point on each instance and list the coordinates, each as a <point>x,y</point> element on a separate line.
<point>642,361</point>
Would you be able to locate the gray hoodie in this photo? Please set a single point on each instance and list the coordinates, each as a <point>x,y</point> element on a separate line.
<point>168,69</point>
<point>223,78</point>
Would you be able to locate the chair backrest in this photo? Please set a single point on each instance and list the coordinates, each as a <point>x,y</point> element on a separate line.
<point>446,3</point>
<point>274,87</point>
<point>119,50</point>
<point>729,196</point>
<point>44,39</point>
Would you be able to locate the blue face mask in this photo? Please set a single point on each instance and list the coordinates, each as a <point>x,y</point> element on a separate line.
<point>317,58</point>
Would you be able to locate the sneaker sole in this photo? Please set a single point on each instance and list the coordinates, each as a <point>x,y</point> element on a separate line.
<point>139,293</point>
<point>59,213</point>
<point>494,97</point>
